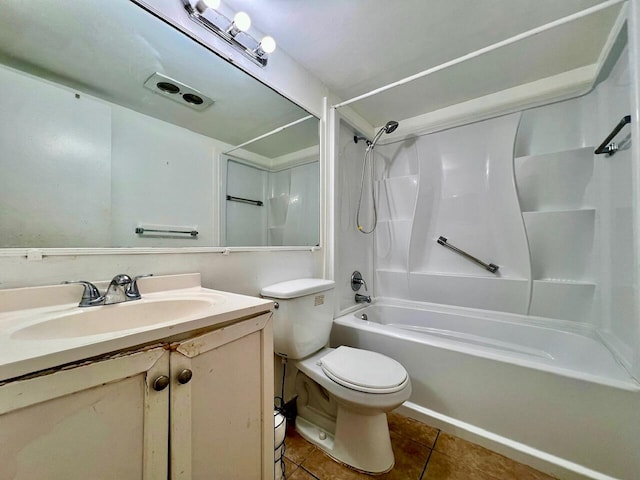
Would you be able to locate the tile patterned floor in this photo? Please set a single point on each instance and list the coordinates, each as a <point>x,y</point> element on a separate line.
<point>422,453</point>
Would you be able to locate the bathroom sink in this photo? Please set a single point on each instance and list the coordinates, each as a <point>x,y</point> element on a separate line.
<point>112,318</point>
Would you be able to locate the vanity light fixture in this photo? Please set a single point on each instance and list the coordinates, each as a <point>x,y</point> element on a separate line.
<point>234,32</point>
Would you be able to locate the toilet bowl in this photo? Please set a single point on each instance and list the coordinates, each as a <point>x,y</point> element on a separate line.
<point>343,394</point>
<point>349,422</point>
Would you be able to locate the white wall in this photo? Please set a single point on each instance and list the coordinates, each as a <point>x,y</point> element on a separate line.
<point>239,272</point>
<point>51,142</point>
<point>162,175</point>
<point>353,249</point>
<point>82,172</point>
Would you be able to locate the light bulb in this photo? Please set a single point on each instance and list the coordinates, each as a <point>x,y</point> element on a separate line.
<point>268,44</point>
<point>203,5</point>
<point>242,21</point>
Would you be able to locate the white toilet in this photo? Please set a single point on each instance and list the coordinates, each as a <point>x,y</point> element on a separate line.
<point>343,393</point>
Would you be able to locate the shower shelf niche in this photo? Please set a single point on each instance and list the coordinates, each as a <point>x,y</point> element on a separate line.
<point>556,194</point>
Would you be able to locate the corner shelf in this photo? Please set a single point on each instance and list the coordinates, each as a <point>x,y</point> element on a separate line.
<point>556,198</point>
<point>554,181</point>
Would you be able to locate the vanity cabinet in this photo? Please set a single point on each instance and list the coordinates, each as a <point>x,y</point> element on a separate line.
<point>196,409</point>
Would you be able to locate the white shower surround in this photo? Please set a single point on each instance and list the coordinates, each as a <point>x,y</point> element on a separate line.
<point>523,191</point>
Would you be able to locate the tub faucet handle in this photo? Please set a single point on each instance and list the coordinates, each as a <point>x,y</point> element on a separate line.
<point>357,281</point>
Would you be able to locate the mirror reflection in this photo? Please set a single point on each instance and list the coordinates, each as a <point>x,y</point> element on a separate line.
<point>111,129</point>
<point>274,201</point>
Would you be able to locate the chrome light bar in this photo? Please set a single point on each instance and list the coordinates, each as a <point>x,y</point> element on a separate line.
<point>231,33</point>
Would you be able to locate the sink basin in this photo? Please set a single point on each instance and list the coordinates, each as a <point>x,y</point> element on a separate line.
<point>112,318</point>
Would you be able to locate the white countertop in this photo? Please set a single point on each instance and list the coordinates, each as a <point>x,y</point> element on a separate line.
<point>23,308</point>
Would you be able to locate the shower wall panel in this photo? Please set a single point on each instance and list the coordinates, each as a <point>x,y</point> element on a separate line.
<point>353,249</point>
<point>457,184</point>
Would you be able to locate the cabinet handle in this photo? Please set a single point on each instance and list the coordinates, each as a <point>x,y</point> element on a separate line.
<point>185,376</point>
<point>161,383</point>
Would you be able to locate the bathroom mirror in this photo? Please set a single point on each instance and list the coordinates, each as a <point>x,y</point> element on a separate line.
<point>112,125</point>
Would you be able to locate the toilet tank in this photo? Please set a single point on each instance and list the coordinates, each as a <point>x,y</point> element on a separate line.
<point>302,322</point>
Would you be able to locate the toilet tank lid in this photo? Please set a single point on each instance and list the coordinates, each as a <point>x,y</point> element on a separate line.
<point>297,288</point>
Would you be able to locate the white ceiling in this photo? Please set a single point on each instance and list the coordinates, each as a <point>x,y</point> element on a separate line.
<point>355,46</point>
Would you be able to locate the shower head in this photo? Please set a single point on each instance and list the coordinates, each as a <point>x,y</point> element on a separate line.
<point>389,127</point>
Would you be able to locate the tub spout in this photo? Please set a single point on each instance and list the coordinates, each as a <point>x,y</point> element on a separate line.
<point>363,298</point>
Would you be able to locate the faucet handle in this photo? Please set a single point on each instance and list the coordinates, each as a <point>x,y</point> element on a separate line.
<point>91,295</point>
<point>357,281</point>
<point>132,290</point>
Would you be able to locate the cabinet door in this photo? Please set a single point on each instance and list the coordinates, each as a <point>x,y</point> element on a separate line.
<point>222,419</point>
<point>101,420</point>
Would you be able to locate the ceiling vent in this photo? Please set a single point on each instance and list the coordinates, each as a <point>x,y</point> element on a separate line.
<point>177,91</point>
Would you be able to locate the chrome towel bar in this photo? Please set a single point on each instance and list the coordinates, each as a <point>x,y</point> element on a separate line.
<point>257,203</point>
<point>141,231</point>
<point>489,266</point>
<point>608,146</point>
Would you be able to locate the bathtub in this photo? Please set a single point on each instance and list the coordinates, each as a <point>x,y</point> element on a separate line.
<point>545,392</point>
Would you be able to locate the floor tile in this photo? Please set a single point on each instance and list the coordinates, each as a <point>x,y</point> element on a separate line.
<point>296,447</point>
<point>475,456</point>
<point>301,474</point>
<point>410,428</point>
<point>442,467</point>
<point>289,467</point>
<point>479,458</point>
<point>452,458</point>
<point>524,472</point>
<point>410,459</point>
<point>325,468</point>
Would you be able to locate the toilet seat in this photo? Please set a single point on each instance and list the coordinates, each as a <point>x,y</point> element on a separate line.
<point>364,371</point>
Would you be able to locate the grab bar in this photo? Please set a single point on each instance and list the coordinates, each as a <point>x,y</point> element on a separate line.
<point>141,231</point>
<point>489,266</point>
<point>608,146</point>
<point>257,203</point>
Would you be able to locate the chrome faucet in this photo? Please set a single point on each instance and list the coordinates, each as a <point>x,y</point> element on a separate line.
<point>121,289</point>
<point>117,291</point>
<point>363,298</point>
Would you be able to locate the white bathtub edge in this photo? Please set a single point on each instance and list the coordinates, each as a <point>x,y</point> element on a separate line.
<point>517,451</point>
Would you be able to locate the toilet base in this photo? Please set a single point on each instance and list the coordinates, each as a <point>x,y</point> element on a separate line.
<point>360,441</point>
